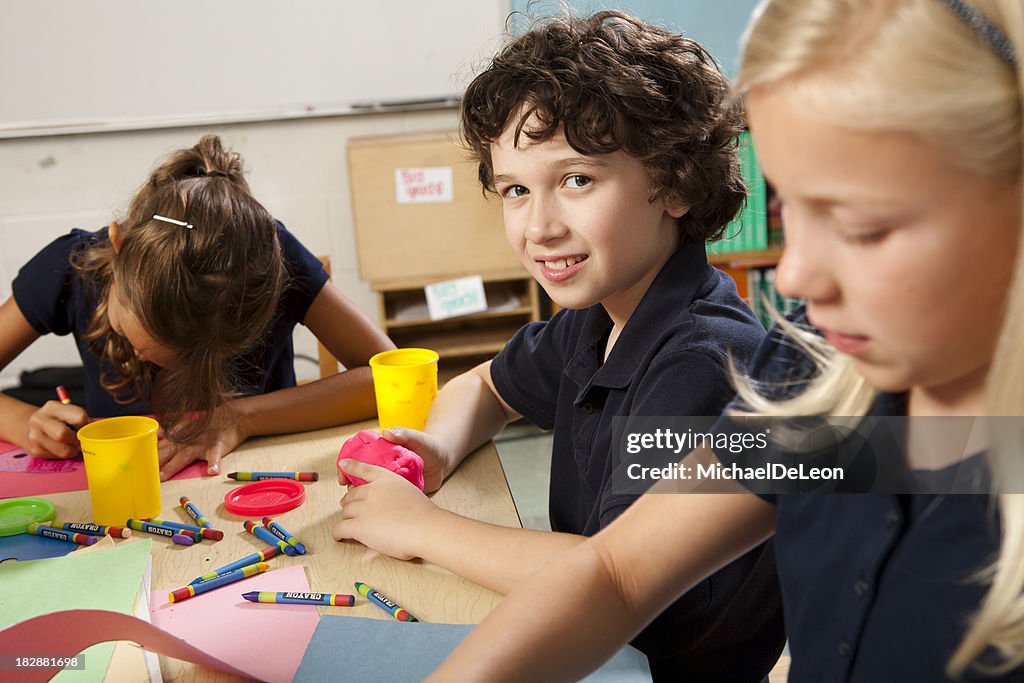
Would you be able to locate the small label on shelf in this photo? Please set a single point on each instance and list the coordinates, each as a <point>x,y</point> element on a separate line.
<point>423,185</point>
<point>456,297</point>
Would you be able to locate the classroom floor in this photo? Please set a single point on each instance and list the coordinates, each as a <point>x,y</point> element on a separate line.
<point>525,454</point>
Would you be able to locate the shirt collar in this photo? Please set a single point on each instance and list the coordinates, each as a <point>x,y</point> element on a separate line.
<point>671,292</point>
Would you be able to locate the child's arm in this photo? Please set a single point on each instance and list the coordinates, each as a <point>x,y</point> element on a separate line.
<point>392,516</point>
<point>45,431</point>
<point>352,338</point>
<point>467,413</point>
<point>587,603</point>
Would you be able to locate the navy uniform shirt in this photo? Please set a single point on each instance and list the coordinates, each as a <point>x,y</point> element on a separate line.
<point>54,300</point>
<point>670,359</point>
<point>876,587</point>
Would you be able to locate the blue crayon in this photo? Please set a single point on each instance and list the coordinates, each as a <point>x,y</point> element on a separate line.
<point>193,590</point>
<point>194,512</point>
<point>268,538</point>
<point>260,556</point>
<point>284,535</point>
<point>91,529</point>
<point>173,534</point>
<point>293,598</point>
<point>196,531</point>
<point>384,602</point>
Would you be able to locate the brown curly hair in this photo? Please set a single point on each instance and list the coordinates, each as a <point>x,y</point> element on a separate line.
<point>612,82</point>
<point>207,293</point>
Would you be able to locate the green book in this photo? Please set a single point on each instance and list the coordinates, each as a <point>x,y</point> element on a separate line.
<point>749,230</point>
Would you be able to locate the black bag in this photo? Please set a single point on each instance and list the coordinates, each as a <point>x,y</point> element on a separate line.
<point>39,386</point>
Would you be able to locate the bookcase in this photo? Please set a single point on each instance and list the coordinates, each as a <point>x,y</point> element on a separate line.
<point>752,244</point>
<point>421,218</point>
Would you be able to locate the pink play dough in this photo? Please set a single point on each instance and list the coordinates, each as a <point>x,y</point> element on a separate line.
<point>367,446</point>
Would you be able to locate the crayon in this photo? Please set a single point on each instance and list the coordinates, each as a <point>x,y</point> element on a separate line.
<point>177,528</point>
<point>262,555</point>
<point>194,535</point>
<point>62,395</point>
<point>60,534</point>
<point>156,529</point>
<point>92,529</point>
<point>192,590</point>
<point>268,538</point>
<point>332,599</point>
<point>260,476</point>
<point>194,512</point>
<point>284,535</point>
<point>205,532</point>
<point>384,602</point>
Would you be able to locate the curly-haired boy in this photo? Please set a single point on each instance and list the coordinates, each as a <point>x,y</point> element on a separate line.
<point>612,146</point>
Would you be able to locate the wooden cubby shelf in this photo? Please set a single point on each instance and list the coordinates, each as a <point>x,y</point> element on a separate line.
<point>403,246</point>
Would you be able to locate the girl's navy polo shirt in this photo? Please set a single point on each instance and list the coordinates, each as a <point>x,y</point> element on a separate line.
<point>670,359</point>
<point>54,300</point>
<point>876,587</point>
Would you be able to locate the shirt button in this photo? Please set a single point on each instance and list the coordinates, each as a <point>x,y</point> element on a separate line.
<point>861,587</point>
<point>843,649</point>
<point>892,518</point>
<point>588,407</point>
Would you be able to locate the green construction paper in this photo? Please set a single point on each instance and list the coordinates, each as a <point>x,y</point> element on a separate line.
<point>102,579</point>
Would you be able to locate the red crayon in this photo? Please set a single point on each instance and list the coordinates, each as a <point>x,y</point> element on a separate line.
<point>62,394</point>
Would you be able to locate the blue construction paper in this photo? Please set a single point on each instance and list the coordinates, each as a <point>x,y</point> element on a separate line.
<point>24,547</point>
<point>358,650</point>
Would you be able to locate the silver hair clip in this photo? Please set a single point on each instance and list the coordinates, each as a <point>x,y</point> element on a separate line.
<point>984,28</point>
<point>165,219</point>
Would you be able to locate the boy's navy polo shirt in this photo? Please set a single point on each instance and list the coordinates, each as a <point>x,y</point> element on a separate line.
<point>876,587</point>
<point>670,359</point>
<point>54,300</point>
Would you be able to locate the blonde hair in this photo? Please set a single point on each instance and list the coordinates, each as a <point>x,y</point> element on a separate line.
<point>914,66</point>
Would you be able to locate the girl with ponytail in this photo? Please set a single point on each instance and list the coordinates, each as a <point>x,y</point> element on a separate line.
<point>185,309</point>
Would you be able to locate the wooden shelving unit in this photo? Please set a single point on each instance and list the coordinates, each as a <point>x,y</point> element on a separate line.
<point>738,264</point>
<point>467,340</point>
<point>403,247</point>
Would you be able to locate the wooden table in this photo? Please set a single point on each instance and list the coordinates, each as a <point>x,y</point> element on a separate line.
<point>478,489</point>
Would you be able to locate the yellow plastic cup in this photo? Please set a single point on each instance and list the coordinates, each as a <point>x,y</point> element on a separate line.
<point>405,384</point>
<point>122,467</point>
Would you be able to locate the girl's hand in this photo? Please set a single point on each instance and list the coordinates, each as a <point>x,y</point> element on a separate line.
<point>387,513</point>
<point>51,430</point>
<point>435,457</point>
<point>225,433</point>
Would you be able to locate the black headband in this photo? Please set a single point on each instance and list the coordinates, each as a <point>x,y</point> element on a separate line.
<point>985,28</point>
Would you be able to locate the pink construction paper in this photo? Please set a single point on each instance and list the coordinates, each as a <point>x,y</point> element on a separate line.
<point>20,473</point>
<point>268,640</point>
<point>368,446</point>
<point>74,630</point>
<point>26,475</point>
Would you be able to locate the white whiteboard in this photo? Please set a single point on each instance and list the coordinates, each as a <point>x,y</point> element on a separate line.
<point>126,63</point>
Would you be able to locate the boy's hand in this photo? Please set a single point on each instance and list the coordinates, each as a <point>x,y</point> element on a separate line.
<point>51,430</point>
<point>435,458</point>
<point>223,435</point>
<point>387,513</point>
